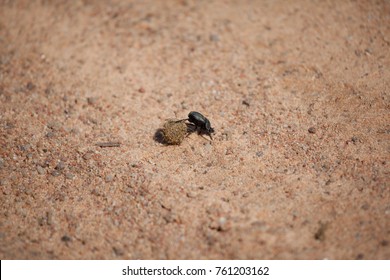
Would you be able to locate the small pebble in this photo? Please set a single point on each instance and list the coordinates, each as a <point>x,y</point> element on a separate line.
<point>320,233</point>
<point>246,103</point>
<point>109,178</point>
<point>41,221</point>
<point>87,155</point>
<point>222,224</point>
<point>92,100</point>
<point>360,256</point>
<point>9,125</point>
<point>169,217</point>
<point>41,170</point>
<point>30,86</point>
<point>24,148</point>
<point>66,239</point>
<point>50,134</point>
<point>54,125</point>
<point>259,154</point>
<point>49,90</point>
<point>208,147</point>
<point>312,130</point>
<point>55,173</point>
<point>191,195</point>
<point>184,105</point>
<point>118,251</point>
<point>214,38</point>
<point>49,218</point>
<point>365,206</point>
<point>60,166</point>
<point>69,176</point>
<point>227,134</point>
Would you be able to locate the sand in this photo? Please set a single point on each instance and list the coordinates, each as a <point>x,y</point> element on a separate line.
<point>298,95</point>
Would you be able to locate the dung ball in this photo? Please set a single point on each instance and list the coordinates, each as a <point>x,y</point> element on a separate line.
<point>174,131</point>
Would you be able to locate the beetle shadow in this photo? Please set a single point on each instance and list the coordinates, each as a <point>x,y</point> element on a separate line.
<point>159,136</point>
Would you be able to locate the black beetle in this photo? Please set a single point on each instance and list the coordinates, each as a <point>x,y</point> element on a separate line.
<point>201,122</point>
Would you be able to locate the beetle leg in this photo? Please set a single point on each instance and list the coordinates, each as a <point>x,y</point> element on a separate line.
<point>191,128</point>
<point>182,120</point>
<point>202,135</point>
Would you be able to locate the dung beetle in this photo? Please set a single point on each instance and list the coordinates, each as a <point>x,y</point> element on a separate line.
<point>201,122</point>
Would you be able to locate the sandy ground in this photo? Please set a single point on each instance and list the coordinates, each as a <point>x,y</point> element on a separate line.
<point>297,92</point>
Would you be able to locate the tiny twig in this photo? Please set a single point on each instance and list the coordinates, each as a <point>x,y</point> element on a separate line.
<point>108,144</point>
